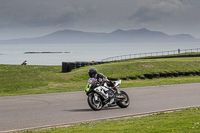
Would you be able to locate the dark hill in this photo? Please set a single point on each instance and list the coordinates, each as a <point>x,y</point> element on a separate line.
<point>117,36</point>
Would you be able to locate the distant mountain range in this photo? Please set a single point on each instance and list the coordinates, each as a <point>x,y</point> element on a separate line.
<point>117,36</point>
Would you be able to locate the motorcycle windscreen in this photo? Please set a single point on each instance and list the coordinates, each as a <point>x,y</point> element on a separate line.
<point>91,81</point>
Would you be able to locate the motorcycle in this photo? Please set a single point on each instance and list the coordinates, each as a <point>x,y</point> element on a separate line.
<point>100,95</point>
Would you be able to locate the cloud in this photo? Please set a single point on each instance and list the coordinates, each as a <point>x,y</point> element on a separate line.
<point>40,12</point>
<point>25,13</point>
<point>99,15</point>
<point>156,10</point>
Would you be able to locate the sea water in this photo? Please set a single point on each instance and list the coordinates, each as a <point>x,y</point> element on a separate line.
<point>58,53</point>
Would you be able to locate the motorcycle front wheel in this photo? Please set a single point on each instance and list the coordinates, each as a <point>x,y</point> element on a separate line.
<point>123,103</point>
<point>94,101</point>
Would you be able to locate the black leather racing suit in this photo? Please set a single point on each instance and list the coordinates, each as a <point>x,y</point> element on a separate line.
<point>101,79</point>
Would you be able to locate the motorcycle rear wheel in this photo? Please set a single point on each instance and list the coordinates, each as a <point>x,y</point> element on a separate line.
<point>124,103</point>
<point>95,104</point>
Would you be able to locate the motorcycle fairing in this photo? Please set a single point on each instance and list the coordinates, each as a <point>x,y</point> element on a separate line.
<point>101,90</point>
<point>91,81</point>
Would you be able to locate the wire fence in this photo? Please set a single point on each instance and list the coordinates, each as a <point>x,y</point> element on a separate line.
<point>140,55</point>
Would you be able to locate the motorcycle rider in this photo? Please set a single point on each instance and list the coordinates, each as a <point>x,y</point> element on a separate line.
<point>93,73</point>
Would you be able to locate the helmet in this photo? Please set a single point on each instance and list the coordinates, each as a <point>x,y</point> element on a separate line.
<point>92,72</point>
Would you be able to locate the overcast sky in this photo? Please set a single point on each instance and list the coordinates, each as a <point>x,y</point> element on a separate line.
<point>31,18</point>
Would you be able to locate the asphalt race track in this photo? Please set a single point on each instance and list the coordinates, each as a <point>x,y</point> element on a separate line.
<point>34,111</point>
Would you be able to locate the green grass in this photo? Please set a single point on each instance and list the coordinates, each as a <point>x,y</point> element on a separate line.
<point>25,80</point>
<point>149,66</point>
<point>184,121</point>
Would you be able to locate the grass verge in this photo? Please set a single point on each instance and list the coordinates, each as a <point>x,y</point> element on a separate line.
<point>184,121</point>
<point>25,80</point>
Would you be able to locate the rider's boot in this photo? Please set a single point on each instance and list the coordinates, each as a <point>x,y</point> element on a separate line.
<point>116,89</point>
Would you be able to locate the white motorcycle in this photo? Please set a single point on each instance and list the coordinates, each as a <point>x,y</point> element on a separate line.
<point>102,95</point>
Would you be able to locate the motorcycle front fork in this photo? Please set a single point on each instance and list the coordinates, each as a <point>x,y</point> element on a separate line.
<point>95,97</point>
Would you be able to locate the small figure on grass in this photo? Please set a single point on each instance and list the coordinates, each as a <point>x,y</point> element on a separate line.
<point>24,63</point>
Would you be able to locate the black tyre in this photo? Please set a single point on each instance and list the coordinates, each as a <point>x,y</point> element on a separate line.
<point>123,103</point>
<point>94,101</point>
